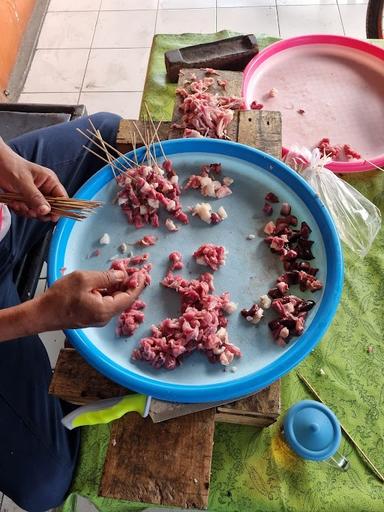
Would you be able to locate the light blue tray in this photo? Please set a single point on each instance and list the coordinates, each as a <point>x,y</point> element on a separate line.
<point>249,272</point>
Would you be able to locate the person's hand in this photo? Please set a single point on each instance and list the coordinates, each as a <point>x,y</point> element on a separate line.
<point>30,180</point>
<point>86,298</point>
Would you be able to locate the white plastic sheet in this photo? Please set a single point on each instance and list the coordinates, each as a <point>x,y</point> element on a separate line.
<point>357,219</point>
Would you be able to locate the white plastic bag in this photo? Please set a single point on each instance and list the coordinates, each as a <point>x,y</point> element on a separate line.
<point>357,219</point>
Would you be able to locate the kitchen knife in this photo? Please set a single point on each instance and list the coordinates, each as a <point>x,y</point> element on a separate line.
<point>105,411</point>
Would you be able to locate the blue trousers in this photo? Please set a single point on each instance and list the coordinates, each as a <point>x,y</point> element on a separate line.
<point>37,455</point>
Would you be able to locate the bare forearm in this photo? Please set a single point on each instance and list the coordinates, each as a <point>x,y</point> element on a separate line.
<point>21,320</point>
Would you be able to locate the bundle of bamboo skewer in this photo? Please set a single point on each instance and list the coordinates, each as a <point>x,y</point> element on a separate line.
<point>77,209</point>
<point>120,163</point>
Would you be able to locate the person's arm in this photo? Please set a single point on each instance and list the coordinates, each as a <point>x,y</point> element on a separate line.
<point>80,299</point>
<point>32,181</point>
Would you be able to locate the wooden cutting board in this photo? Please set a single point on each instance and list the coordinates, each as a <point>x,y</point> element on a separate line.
<point>164,463</point>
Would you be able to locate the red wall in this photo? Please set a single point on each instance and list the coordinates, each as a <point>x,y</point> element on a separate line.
<point>14,16</point>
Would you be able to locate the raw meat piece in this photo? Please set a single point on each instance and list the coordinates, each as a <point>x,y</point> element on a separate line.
<point>207,113</point>
<point>204,211</point>
<point>129,266</point>
<point>222,213</point>
<point>123,248</point>
<point>256,106</point>
<point>211,255</point>
<point>292,245</point>
<point>292,313</point>
<point>272,198</point>
<point>210,186</point>
<point>170,225</point>
<point>210,71</point>
<point>273,92</point>
<point>201,326</point>
<point>265,302</point>
<point>130,319</point>
<point>192,134</point>
<point>176,260</point>
<point>146,241</point>
<point>105,239</point>
<point>341,152</point>
<point>254,314</point>
<point>285,209</point>
<point>145,189</point>
<point>222,83</point>
<point>267,209</point>
<point>94,254</point>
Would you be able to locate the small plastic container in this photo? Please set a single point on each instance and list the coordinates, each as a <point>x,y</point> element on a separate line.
<point>313,432</point>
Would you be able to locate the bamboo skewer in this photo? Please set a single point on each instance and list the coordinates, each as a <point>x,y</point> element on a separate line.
<point>362,454</point>
<point>156,130</point>
<point>77,209</point>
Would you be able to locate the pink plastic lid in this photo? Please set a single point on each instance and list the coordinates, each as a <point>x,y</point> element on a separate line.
<point>339,84</point>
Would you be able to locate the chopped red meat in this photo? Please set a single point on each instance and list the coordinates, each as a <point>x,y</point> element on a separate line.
<point>292,245</point>
<point>130,319</point>
<point>210,71</point>
<point>211,255</point>
<point>271,198</point>
<point>145,189</point>
<point>210,186</point>
<point>201,326</point>
<point>207,113</point>
<point>146,241</point>
<point>254,314</point>
<point>204,211</point>
<point>342,152</point>
<point>256,106</point>
<point>267,209</point>
<point>176,260</point>
<point>222,83</point>
<point>129,266</point>
<point>192,134</point>
<point>292,313</point>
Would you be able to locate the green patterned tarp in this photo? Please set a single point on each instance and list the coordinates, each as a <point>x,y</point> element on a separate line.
<point>252,469</point>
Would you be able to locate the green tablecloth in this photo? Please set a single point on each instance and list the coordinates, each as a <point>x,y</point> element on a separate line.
<point>252,470</point>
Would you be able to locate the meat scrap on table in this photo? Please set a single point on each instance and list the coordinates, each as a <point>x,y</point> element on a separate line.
<point>291,245</point>
<point>204,112</point>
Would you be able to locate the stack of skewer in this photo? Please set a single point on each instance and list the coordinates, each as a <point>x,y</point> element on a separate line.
<point>76,209</point>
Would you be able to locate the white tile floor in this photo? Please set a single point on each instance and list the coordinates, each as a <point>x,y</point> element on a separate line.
<point>96,52</point>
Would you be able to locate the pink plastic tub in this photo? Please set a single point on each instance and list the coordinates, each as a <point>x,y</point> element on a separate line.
<point>338,82</point>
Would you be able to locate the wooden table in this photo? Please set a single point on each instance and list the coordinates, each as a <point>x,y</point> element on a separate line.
<point>169,463</point>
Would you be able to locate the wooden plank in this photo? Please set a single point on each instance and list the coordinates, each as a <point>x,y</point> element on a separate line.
<point>125,138</point>
<point>260,409</point>
<point>261,129</point>
<point>233,88</point>
<point>75,381</point>
<point>163,464</point>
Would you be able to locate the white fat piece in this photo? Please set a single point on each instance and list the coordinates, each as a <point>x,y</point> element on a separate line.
<point>105,239</point>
